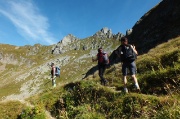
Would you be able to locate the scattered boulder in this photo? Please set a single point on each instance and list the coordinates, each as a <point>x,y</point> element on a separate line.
<point>85,47</point>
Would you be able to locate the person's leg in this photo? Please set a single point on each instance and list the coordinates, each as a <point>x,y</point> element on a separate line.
<point>103,70</point>
<point>125,84</point>
<point>54,81</point>
<point>133,72</point>
<point>100,73</point>
<point>135,82</point>
<point>124,72</point>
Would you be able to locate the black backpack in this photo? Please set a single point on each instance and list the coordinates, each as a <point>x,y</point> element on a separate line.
<point>127,53</point>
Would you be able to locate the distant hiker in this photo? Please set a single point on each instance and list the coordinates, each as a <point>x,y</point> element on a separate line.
<point>103,61</point>
<point>53,75</point>
<point>128,54</point>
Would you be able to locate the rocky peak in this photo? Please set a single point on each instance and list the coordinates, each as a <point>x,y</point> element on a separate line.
<point>71,42</point>
<point>61,47</point>
<point>68,39</point>
<point>104,32</point>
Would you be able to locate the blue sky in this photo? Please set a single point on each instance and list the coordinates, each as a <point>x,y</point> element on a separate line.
<point>27,22</point>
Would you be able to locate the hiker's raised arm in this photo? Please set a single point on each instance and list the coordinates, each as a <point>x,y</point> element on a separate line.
<point>134,49</point>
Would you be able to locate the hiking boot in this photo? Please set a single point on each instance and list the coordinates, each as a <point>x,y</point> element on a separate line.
<point>126,90</point>
<point>106,83</point>
<point>54,85</point>
<point>138,90</point>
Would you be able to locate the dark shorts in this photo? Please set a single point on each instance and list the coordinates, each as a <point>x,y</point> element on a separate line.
<point>131,66</point>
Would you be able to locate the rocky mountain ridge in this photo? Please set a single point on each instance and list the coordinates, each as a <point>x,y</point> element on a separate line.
<point>158,76</point>
<point>28,66</point>
<point>71,42</point>
<point>157,26</point>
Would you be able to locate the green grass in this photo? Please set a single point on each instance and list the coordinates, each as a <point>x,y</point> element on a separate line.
<point>90,99</point>
<point>10,110</point>
<point>158,75</point>
<point>89,95</point>
<point>160,68</point>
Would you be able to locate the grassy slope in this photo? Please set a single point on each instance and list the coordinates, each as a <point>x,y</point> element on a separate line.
<point>158,74</point>
<point>72,71</point>
<point>12,71</point>
<point>11,110</point>
<point>29,58</point>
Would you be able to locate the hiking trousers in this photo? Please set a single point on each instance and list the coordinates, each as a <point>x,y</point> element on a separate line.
<point>102,68</point>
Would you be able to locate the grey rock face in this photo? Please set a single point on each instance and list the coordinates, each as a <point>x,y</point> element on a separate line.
<point>109,33</point>
<point>63,45</point>
<point>104,33</point>
<point>118,36</point>
<point>68,39</point>
<point>85,47</point>
<point>99,39</point>
<point>9,59</point>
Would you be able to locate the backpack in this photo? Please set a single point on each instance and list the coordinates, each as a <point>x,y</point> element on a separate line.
<point>103,58</point>
<point>57,73</point>
<point>127,54</point>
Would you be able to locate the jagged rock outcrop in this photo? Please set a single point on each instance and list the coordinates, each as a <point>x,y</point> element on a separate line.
<point>118,36</point>
<point>71,42</point>
<point>104,33</point>
<point>159,25</point>
<point>63,45</point>
<point>107,33</point>
<point>85,47</point>
<point>68,39</point>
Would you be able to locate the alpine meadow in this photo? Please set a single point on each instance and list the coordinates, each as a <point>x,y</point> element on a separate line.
<point>26,90</point>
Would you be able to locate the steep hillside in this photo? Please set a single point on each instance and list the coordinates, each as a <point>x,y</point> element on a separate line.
<point>25,74</point>
<point>159,78</point>
<point>25,71</point>
<point>20,64</point>
<point>158,25</point>
<point>158,75</point>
